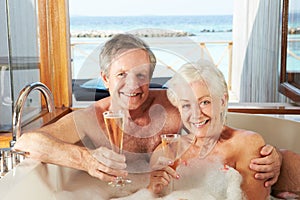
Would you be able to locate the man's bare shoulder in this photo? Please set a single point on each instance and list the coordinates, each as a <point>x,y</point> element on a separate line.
<point>102,104</point>
<point>91,112</point>
<point>160,96</point>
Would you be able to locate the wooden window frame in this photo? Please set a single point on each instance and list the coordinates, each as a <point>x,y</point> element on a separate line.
<point>54,31</point>
<point>55,59</point>
<point>287,86</point>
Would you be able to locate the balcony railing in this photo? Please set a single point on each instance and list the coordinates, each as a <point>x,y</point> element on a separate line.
<point>227,51</point>
<point>219,51</point>
<point>85,60</point>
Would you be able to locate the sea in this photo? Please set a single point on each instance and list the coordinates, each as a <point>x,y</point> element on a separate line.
<point>208,28</point>
<point>197,25</point>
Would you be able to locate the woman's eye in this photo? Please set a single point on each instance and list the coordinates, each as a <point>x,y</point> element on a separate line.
<point>204,103</point>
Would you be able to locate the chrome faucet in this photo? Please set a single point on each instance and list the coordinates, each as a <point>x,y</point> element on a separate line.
<point>18,108</point>
<point>9,157</point>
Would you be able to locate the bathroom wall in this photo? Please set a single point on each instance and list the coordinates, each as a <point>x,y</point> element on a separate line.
<point>19,57</point>
<point>5,86</point>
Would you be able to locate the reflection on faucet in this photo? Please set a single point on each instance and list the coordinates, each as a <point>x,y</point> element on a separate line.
<point>5,100</point>
<point>18,108</point>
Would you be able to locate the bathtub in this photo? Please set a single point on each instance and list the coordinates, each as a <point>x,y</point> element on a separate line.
<point>34,180</point>
<point>279,132</point>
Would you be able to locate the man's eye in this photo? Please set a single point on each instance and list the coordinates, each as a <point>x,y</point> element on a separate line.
<point>141,76</point>
<point>121,74</point>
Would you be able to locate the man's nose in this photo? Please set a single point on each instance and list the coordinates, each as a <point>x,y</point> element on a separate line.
<point>132,81</point>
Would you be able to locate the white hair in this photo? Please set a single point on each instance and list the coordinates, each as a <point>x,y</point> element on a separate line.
<point>203,70</point>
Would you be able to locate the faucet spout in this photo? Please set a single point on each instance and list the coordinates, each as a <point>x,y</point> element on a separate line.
<point>18,108</point>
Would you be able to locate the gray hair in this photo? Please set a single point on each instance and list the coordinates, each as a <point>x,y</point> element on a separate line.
<point>118,45</point>
<point>203,70</point>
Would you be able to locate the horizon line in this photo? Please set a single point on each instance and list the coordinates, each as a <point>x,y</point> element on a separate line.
<point>150,15</point>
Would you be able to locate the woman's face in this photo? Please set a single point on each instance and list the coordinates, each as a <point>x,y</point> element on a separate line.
<point>200,111</point>
<point>129,78</point>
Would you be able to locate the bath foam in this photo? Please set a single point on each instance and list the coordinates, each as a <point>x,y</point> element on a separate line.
<point>200,179</point>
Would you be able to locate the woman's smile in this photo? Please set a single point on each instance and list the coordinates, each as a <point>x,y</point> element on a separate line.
<point>200,124</point>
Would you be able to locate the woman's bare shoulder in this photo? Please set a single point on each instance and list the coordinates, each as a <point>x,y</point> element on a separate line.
<point>242,135</point>
<point>245,141</point>
<point>249,136</point>
<point>247,146</point>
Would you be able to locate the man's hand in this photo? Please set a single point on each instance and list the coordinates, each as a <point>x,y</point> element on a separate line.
<point>268,166</point>
<point>106,164</point>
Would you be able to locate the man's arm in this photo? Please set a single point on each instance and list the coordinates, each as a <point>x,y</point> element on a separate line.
<point>268,166</point>
<point>288,184</point>
<point>55,144</point>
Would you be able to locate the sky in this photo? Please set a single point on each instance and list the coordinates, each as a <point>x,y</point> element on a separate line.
<point>152,7</point>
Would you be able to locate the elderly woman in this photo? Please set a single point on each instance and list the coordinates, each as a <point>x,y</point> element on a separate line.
<point>209,164</point>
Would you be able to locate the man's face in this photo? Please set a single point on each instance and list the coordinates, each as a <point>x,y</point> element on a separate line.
<point>129,78</point>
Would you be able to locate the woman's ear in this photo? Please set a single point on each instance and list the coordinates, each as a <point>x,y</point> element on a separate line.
<point>224,101</point>
<point>105,79</point>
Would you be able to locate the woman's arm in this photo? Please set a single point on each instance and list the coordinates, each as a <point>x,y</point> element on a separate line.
<point>250,145</point>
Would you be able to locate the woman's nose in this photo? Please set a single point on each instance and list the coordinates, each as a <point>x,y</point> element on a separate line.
<point>196,112</point>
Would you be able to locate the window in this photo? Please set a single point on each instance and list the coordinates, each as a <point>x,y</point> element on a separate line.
<point>34,47</point>
<point>19,57</point>
<point>290,50</point>
<point>177,32</point>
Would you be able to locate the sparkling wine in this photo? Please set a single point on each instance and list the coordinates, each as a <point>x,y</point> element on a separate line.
<point>114,126</point>
<point>114,122</point>
<point>170,146</point>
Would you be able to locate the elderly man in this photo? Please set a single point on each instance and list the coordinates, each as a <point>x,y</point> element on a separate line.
<point>79,140</point>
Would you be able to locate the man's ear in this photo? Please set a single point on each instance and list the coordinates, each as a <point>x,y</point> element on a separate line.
<point>104,79</point>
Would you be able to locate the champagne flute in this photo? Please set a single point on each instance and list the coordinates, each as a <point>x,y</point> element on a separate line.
<point>114,122</point>
<point>170,147</point>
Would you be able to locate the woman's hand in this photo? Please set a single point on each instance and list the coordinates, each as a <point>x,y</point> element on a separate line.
<point>268,166</point>
<point>161,178</point>
<point>105,164</point>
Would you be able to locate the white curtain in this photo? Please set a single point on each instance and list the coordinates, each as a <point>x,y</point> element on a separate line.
<point>256,47</point>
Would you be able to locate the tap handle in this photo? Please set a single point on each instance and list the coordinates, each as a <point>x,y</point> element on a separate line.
<point>12,142</point>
